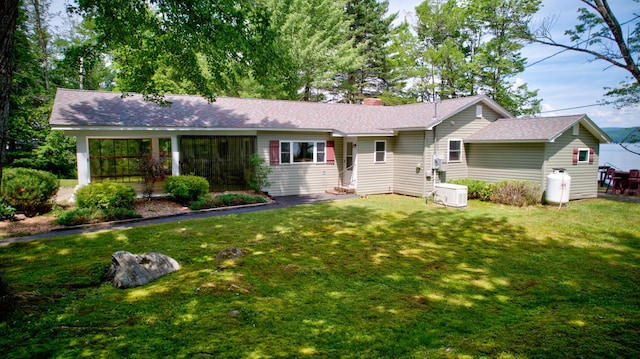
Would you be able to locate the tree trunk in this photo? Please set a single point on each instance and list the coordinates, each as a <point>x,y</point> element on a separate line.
<point>8,18</point>
<point>42,40</point>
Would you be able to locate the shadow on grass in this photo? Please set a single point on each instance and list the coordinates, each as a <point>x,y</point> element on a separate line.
<point>356,279</point>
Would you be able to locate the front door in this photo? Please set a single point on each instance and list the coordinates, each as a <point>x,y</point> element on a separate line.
<point>350,160</point>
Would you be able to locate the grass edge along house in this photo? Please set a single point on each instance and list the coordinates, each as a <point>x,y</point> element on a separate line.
<point>314,147</point>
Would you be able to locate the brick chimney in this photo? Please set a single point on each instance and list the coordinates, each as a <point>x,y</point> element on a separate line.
<point>370,101</point>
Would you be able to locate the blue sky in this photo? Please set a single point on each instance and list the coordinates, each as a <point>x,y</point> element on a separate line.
<point>567,80</point>
<point>570,79</point>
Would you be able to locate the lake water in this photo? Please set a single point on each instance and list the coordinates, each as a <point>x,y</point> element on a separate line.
<point>618,157</point>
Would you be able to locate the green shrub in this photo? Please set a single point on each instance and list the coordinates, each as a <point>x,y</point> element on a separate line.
<point>6,211</point>
<point>29,191</point>
<point>517,193</point>
<point>476,189</point>
<point>258,180</point>
<point>80,216</point>
<point>106,195</point>
<point>226,200</point>
<point>185,189</point>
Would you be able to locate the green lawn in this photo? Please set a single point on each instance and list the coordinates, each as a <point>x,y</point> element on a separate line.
<point>383,277</point>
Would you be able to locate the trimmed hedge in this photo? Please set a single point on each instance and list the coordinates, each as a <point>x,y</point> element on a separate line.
<point>185,189</point>
<point>106,195</point>
<point>226,200</point>
<point>80,216</point>
<point>476,189</point>
<point>29,191</point>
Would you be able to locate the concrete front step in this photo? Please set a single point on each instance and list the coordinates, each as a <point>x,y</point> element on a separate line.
<point>341,191</point>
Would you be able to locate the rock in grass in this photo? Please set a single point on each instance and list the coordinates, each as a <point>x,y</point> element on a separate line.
<point>133,270</point>
<point>231,254</point>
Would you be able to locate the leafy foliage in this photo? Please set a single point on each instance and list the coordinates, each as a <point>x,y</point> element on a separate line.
<point>517,193</point>
<point>226,200</point>
<point>601,35</point>
<point>106,195</point>
<point>476,189</point>
<point>56,155</point>
<point>369,31</point>
<point>259,179</point>
<point>314,34</point>
<point>473,47</point>
<point>146,36</point>
<point>6,211</point>
<point>79,216</point>
<point>186,188</point>
<point>29,191</point>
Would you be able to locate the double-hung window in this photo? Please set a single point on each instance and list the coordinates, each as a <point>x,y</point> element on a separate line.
<point>302,152</point>
<point>381,151</point>
<point>455,150</point>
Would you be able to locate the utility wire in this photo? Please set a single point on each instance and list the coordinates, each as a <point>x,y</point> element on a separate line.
<point>572,108</point>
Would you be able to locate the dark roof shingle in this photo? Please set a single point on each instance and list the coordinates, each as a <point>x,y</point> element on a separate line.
<point>99,109</point>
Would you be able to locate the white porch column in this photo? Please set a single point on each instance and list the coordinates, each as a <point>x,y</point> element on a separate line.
<point>82,157</point>
<point>175,156</point>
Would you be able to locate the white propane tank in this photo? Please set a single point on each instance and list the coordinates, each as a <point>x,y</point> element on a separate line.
<point>558,186</point>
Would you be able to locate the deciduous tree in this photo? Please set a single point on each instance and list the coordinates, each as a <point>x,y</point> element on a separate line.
<point>205,41</point>
<point>600,34</point>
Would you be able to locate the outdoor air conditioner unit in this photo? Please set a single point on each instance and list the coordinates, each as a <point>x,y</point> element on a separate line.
<point>451,195</point>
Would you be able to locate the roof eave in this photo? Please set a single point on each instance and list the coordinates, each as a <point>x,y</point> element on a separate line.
<point>535,140</point>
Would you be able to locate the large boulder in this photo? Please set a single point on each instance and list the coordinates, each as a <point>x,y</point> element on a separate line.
<point>132,270</point>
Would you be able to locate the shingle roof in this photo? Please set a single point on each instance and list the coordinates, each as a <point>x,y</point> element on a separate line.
<point>98,109</point>
<point>544,129</point>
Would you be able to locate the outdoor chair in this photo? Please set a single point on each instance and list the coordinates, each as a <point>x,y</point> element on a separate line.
<point>612,180</point>
<point>634,182</point>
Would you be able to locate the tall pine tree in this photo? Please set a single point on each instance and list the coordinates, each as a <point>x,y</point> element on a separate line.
<point>370,31</point>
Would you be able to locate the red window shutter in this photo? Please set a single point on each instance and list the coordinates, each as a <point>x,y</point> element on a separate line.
<point>575,156</point>
<point>274,152</point>
<point>331,153</point>
<point>591,155</point>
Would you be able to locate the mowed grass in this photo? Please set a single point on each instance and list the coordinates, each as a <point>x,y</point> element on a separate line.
<point>383,277</point>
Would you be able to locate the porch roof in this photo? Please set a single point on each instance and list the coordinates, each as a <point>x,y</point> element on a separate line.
<point>87,109</point>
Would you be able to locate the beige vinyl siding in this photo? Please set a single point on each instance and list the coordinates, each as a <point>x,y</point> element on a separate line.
<point>374,178</point>
<point>493,162</point>
<point>409,151</point>
<point>559,154</point>
<point>459,127</point>
<point>298,178</point>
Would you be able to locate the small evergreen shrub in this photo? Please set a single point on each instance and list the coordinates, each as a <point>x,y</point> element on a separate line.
<point>517,193</point>
<point>106,195</point>
<point>29,191</point>
<point>185,189</point>
<point>6,211</point>
<point>226,200</point>
<point>80,216</point>
<point>476,189</point>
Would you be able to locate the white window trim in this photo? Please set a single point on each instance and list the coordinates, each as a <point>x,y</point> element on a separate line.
<point>375,151</point>
<point>588,155</point>
<point>449,150</point>
<point>315,152</point>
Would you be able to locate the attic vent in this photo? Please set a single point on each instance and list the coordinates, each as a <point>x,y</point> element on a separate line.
<point>372,102</point>
<point>479,111</point>
<point>576,129</point>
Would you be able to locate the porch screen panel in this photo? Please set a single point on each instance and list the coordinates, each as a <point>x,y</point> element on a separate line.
<point>117,160</point>
<point>222,160</point>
